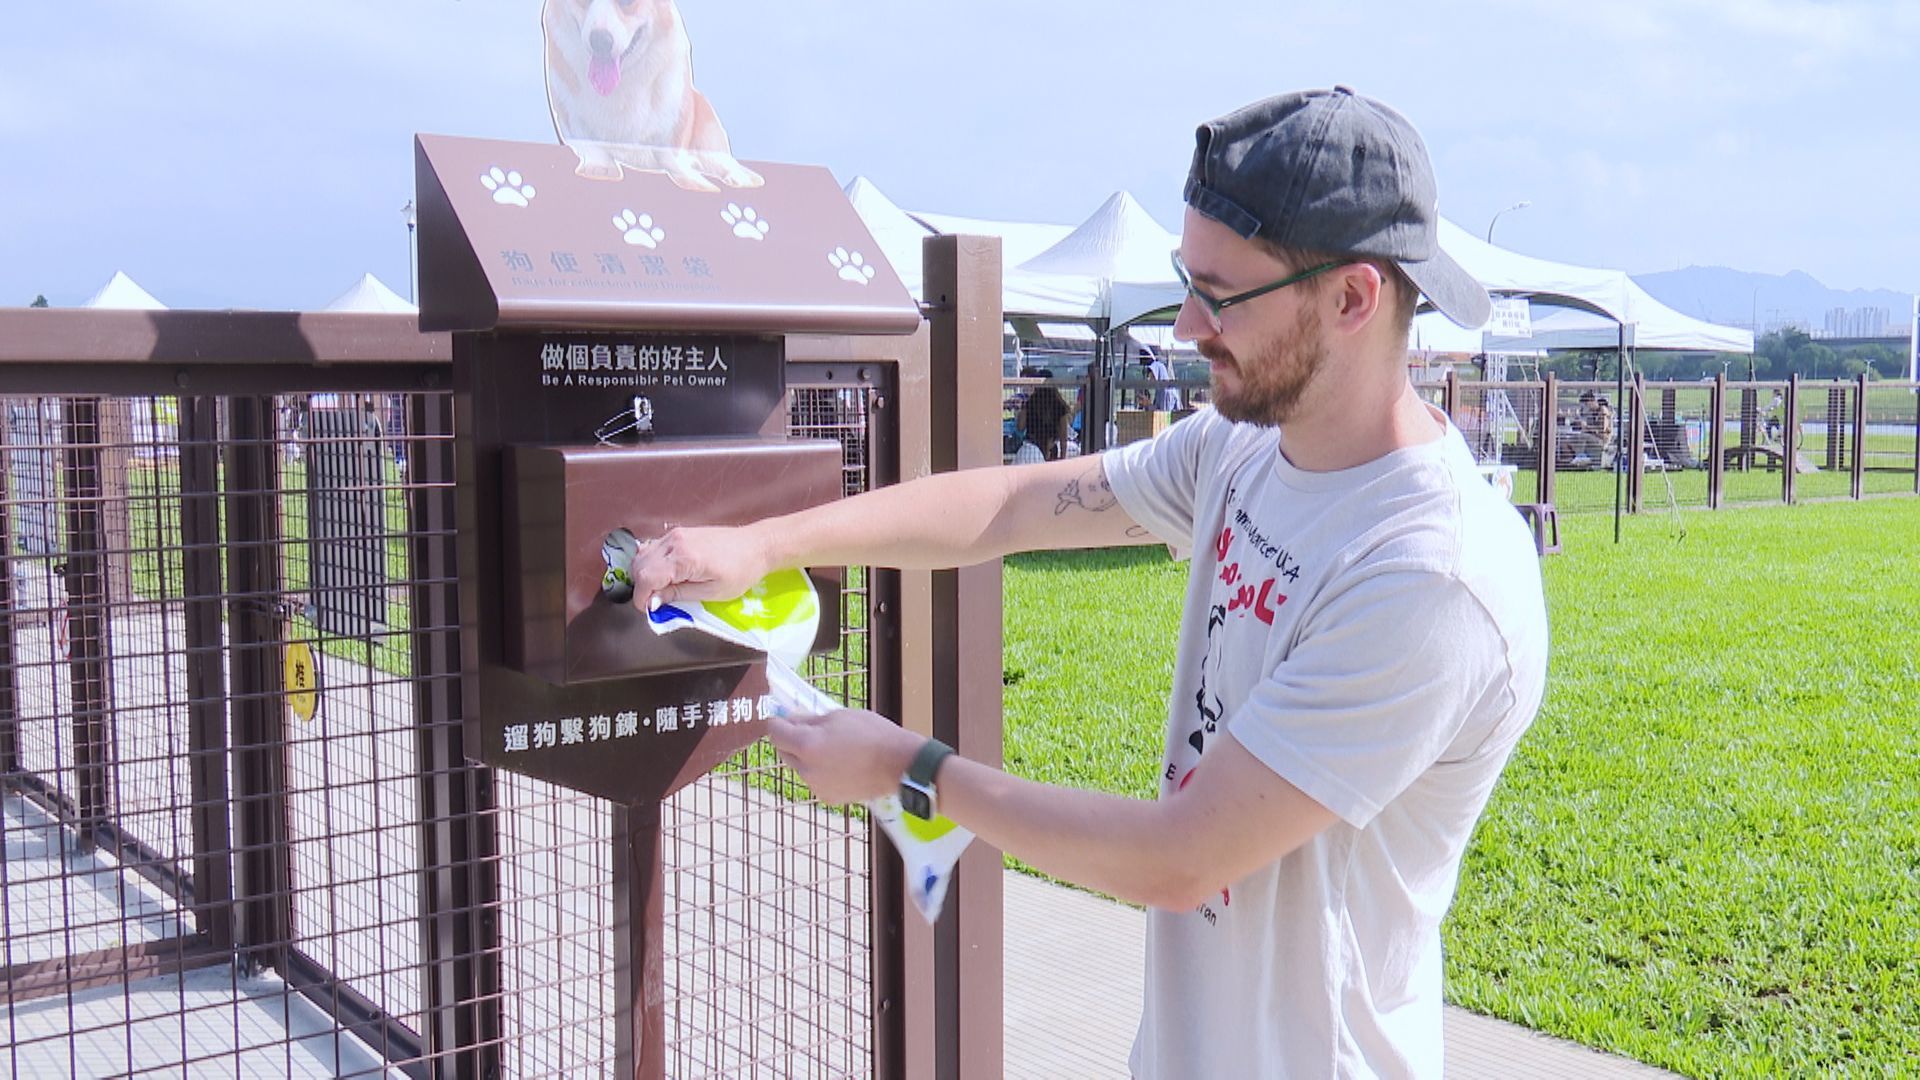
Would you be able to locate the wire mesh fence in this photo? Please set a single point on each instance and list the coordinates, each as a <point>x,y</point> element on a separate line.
<point>1891,450</point>
<point>1754,434</point>
<point>1596,460</point>
<point>766,966</point>
<point>1825,444</point>
<point>1673,445</point>
<point>140,582</point>
<point>214,790</point>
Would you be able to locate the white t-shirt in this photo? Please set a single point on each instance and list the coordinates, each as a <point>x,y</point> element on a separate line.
<point>1378,637</point>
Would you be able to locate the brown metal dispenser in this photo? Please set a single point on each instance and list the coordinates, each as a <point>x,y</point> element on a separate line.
<point>619,363</point>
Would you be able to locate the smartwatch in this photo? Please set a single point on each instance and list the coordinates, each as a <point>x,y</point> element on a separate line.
<point>916,788</point>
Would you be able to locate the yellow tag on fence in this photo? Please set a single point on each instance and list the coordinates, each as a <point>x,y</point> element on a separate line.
<point>302,681</point>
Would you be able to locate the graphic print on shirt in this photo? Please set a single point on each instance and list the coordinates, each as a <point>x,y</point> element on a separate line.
<point>1248,583</point>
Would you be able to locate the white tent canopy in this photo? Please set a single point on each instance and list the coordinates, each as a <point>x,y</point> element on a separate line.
<point>1655,326</point>
<point>1120,242</point>
<point>1019,240</point>
<point>1511,273</point>
<point>1024,292</point>
<point>120,293</point>
<point>899,233</point>
<point>1056,296</point>
<point>1113,269</point>
<point>1082,270</point>
<point>896,231</point>
<point>371,294</point>
<point>1576,307</point>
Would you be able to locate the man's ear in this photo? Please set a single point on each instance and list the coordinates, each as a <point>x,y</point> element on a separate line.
<point>1359,294</point>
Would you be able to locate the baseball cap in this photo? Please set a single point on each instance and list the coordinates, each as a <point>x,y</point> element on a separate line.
<point>1333,171</point>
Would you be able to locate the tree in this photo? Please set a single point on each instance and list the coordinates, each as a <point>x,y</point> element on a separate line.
<point>39,301</point>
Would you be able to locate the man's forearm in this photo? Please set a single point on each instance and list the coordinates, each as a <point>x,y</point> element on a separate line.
<point>1116,845</point>
<point>956,519</point>
<point>932,523</point>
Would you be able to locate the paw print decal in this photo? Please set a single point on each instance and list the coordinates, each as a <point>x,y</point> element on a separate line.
<point>745,222</point>
<point>638,230</point>
<point>851,265</point>
<point>507,186</point>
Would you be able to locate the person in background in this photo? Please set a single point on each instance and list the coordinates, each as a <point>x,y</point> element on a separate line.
<point>1591,437</point>
<point>1044,418</point>
<point>1162,398</point>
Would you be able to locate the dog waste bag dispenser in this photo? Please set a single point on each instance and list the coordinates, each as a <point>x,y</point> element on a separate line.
<point>618,359</point>
<point>619,355</point>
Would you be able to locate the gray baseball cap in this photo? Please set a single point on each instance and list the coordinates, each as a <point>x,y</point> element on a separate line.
<point>1331,170</point>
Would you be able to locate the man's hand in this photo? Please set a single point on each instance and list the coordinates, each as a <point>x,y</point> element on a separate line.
<point>849,756</point>
<point>698,564</point>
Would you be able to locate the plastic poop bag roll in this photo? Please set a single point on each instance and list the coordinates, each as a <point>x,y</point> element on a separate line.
<point>779,616</point>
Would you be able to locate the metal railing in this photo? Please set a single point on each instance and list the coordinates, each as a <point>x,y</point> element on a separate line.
<point>1708,444</point>
<point>1677,444</point>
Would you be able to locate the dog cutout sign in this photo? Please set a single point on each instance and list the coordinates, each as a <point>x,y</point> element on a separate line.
<point>620,87</point>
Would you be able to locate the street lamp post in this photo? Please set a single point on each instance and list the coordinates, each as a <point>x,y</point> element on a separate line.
<point>1521,205</point>
<point>412,220</point>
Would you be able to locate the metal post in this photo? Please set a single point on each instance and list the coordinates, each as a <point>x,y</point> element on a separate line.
<point>969,941</point>
<point>1100,389</point>
<point>1549,441</point>
<point>459,893</point>
<point>1836,427</point>
<point>639,905</point>
<point>206,677</point>
<point>905,993</point>
<point>888,698</point>
<point>262,878</point>
<point>9,703</point>
<point>86,569</point>
<point>1619,429</point>
<point>1717,442</point>
<point>1860,436</point>
<point>1749,425</point>
<point>1790,440</point>
<point>1636,442</point>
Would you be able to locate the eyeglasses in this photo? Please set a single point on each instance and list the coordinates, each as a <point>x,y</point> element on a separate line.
<point>1214,307</point>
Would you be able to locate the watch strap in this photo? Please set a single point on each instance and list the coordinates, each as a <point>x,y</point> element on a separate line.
<point>926,763</point>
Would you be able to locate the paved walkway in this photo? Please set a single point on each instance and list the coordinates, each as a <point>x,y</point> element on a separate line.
<point>1073,998</point>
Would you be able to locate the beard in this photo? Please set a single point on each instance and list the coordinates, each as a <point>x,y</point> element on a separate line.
<point>1273,377</point>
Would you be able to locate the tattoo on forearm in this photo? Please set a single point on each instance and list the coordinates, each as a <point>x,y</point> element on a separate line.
<point>1088,491</point>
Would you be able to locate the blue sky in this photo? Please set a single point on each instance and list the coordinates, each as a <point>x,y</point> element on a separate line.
<point>257,154</point>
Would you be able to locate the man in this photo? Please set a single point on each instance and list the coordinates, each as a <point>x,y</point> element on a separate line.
<point>1591,439</point>
<point>1363,643</point>
<point>1164,398</point>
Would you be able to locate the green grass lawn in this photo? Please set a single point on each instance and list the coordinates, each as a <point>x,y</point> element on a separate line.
<point>1706,853</point>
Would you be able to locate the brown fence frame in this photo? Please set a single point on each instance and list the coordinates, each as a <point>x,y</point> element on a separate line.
<point>935,656</point>
<point>1846,414</point>
<point>1850,419</point>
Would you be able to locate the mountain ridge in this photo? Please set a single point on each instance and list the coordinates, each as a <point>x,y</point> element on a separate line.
<point>1733,297</point>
